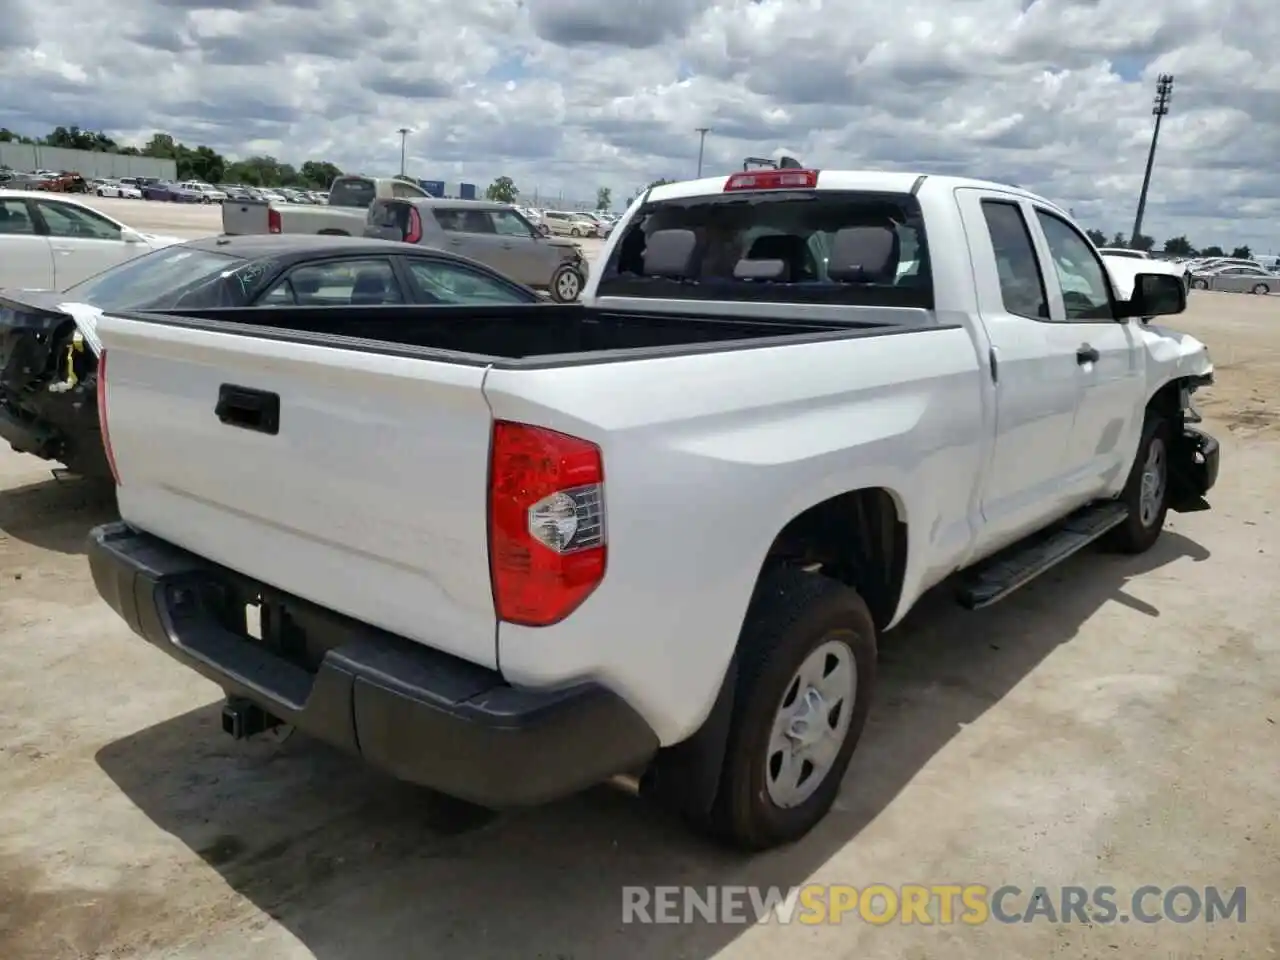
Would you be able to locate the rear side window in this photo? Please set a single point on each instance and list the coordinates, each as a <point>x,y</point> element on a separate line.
<point>352,192</point>
<point>336,283</point>
<point>1021,282</point>
<point>826,247</point>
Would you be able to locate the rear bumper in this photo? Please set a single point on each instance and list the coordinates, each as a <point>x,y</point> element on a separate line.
<point>420,715</point>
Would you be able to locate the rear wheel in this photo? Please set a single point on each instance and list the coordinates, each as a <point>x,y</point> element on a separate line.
<point>1261,288</point>
<point>807,664</point>
<point>566,284</point>
<point>1200,284</point>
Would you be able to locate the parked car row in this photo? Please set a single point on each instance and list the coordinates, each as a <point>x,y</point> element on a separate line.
<point>564,223</point>
<point>49,181</point>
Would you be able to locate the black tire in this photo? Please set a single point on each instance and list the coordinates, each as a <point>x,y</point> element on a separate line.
<point>1200,284</point>
<point>1261,289</point>
<point>1137,535</point>
<point>792,614</point>
<point>566,284</point>
<point>101,194</point>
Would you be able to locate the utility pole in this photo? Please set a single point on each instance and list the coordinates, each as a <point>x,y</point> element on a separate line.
<point>702,143</point>
<point>404,132</point>
<point>1160,108</point>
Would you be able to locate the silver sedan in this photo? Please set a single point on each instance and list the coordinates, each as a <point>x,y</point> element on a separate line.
<point>1237,280</point>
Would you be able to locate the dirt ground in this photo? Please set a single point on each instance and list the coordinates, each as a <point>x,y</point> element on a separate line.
<point>1115,723</point>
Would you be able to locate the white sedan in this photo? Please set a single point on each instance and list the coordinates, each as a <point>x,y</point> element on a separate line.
<point>110,188</point>
<point>49,241</point>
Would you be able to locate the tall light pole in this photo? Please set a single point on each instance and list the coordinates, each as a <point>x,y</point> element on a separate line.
<point>702,143</point>
<point>1160,108</point>
<point>404,132</point>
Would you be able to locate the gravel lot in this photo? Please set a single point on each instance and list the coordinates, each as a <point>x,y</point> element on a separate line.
<point>1115,723</point>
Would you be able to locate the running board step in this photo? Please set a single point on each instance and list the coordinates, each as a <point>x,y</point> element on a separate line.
<point>1018,565</point>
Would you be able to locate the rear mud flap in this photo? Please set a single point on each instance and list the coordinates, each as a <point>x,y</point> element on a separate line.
<point>1193,470</point>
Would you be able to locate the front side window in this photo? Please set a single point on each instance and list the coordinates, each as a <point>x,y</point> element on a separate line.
<point>508,223</point>
<point>69,221</point>
<point>1086,292</point>
<point>443,282</point>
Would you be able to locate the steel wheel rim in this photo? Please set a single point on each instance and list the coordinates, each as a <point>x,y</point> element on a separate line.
<point>1151,496</point>
<point>811,724</point>
<point>567,285</point>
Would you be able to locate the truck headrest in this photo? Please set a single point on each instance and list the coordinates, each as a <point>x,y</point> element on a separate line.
<point>867,254</point>
<point>670,253</point>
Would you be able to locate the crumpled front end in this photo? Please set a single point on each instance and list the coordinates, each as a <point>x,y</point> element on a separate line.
<point>48,402</point>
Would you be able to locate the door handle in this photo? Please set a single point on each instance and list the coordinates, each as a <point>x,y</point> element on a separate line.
<point>248,409</point>
<point>1086,354</point>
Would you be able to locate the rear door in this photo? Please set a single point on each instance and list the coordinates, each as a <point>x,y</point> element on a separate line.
<point>83,241</point>
<point>366,495</point>
<point>26,258</point>
<point>468,232</point>
<point>1037,388</point>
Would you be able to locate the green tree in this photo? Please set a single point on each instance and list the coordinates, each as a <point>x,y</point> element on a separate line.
<point>1179,247</point>
<point>318,173</point>
<point>1242,253</point>
<point>502,190</point>
<point>1143,242</point>
<point>604,198</point>
<point>1119,241</point>
<point>1214,251</point>
<point>1097,237</point>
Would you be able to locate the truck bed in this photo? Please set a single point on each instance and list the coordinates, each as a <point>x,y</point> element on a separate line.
<point>524,335</point>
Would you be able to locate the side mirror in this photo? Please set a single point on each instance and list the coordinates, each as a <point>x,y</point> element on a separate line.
<point>1154,295</point>
<point>131,236</point>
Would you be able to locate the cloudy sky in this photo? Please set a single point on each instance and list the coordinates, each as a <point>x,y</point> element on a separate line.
<point>568,95</point>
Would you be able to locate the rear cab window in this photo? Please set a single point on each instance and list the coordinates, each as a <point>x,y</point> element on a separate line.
<point>783,246</point>
<point>352,192</point>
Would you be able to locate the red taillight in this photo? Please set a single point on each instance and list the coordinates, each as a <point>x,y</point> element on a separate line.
<point>273,220</point>
<point>772,180</point>
<point>414,233</point>
<point>546,523</point>
<point>102,417</point>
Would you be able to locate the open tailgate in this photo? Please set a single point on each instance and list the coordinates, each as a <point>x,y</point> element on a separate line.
<point>354,480</point>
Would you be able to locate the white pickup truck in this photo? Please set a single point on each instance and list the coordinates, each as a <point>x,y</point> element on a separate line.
<point>508,552</point>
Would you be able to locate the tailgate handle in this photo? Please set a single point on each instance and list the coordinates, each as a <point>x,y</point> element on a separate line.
<point>248,408</point>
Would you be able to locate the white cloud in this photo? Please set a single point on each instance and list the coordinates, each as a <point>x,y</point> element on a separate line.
<point>568,95</point>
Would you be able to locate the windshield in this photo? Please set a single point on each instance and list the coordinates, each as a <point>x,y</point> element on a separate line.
<point>155,280</point>
<point>796,229</point>
<point>352,192</point>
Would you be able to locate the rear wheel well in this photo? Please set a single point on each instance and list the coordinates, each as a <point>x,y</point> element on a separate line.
<point>858,538</point>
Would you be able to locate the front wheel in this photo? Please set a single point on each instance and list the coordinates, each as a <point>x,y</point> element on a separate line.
<point>101,194</point>
<point>807,666</point>
<point>1200,284</point>
<point>566,284</point>
<point>1147,492</point>
<point>1261,288</point>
